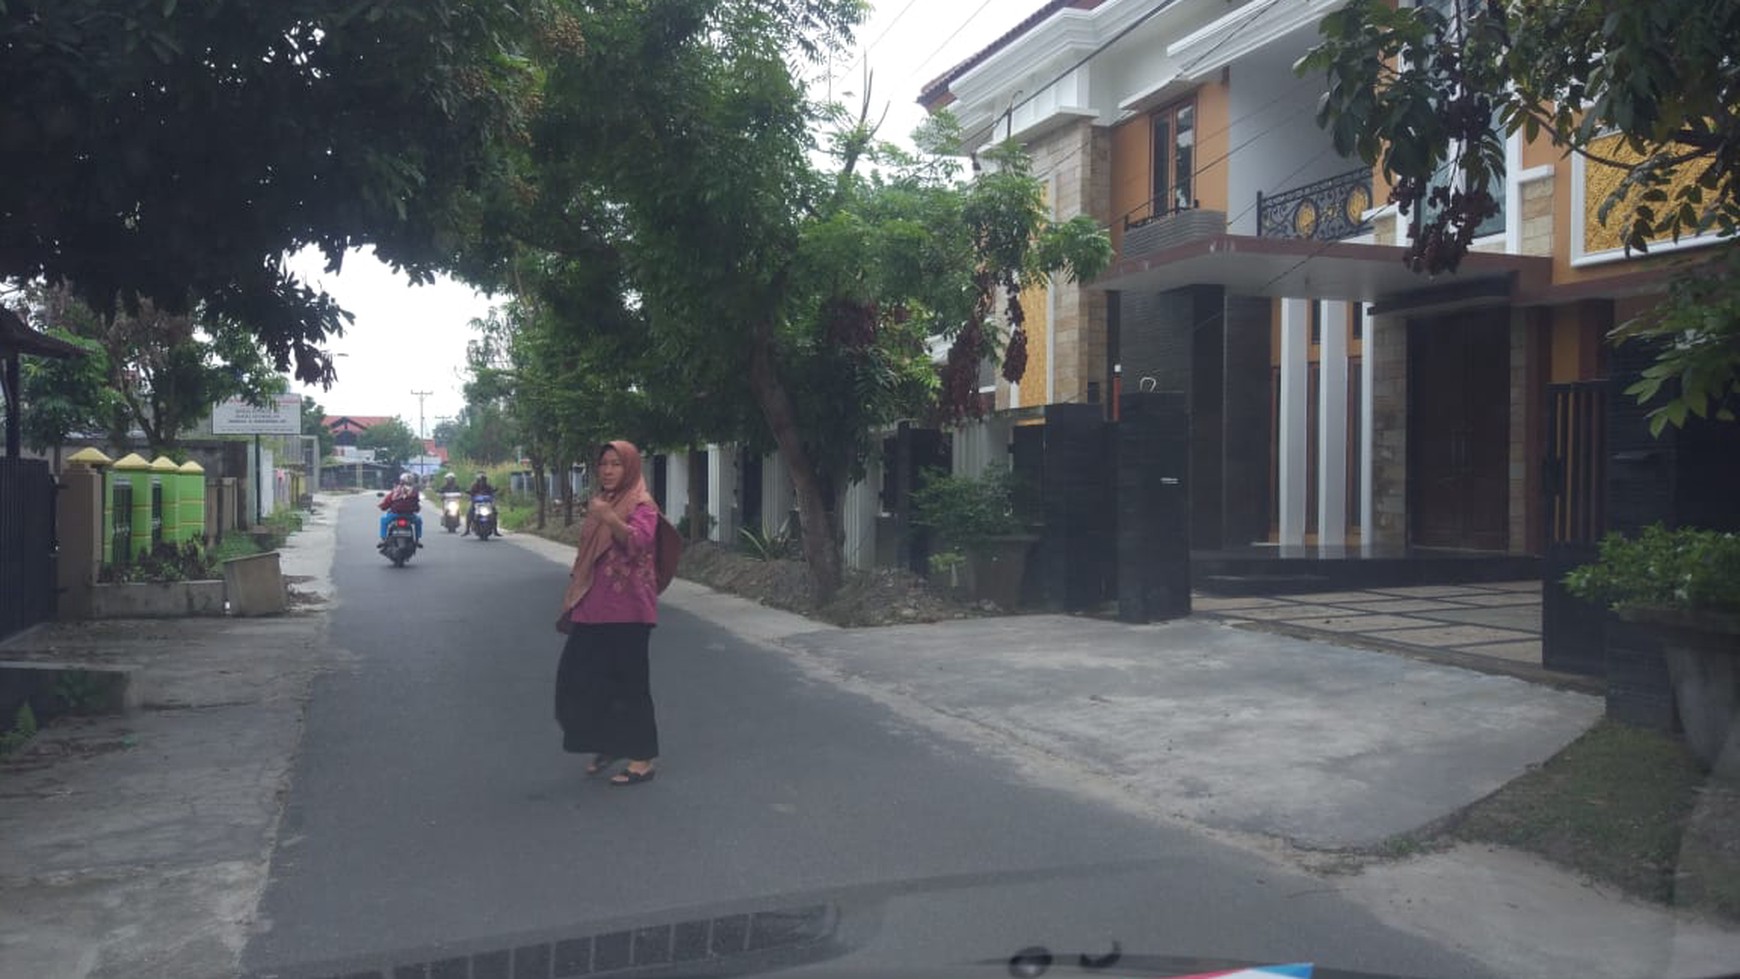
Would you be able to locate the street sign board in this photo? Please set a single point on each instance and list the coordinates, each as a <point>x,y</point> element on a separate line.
<point>279,415</point>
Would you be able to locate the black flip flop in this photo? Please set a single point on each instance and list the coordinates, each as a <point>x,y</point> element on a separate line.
<point>628,777</point>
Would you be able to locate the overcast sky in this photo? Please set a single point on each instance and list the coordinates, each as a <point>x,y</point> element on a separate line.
<point>409,338</point>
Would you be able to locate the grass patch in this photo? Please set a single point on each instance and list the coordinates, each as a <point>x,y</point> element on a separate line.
<point>1626,806</point>
<point>233,546</point>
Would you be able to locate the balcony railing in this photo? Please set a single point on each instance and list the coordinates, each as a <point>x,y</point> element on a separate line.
<point>1327,210</point>
<point>1156,210</point>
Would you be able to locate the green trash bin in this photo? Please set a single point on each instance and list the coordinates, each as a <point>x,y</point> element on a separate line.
<point>191,499</point>
<point>131,495</point>
<point>166,477</point>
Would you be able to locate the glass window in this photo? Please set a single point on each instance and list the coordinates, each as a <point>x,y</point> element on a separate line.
<point>1183,157</point>
<point>1174,158</point>
<point>1162,153</point>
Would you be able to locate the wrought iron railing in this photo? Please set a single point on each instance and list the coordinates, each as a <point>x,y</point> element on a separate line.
<point>1327,210</point>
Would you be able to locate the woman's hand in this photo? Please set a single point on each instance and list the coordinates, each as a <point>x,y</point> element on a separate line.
<point>599,508</point>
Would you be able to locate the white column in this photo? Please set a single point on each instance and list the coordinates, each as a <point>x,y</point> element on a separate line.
<point>1368,357</point>
<point>677,485</point>
<point>776,493</point>
<point>1332,419</point>
<point>1295,385</point>
<point>722,491</point>
<point>861,509</point>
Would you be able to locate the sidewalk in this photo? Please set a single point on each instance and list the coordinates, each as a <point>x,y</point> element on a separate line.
<point>138,845</point>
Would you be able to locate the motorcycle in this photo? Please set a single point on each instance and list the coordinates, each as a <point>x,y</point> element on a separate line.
<point>452,511</point>
<point>483,516</point>
<point>401,540</point>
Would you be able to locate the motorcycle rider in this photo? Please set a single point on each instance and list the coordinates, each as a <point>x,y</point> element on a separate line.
<point>450,486</point>
<point>479,487</point>
<point>404,500</point>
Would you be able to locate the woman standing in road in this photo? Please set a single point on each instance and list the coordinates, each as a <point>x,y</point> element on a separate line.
<point>603,685</point>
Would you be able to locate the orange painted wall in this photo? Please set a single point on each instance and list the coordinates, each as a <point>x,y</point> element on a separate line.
<point>1130,184</point>
<point>1213,113</point>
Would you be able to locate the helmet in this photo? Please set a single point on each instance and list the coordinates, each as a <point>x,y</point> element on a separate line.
<point>483,475</point>
<point>449,475</point>
<point>407,479</point>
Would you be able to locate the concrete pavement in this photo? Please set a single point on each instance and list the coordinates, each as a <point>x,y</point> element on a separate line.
<point>1296,750</point>
<point>138,845</point>
<point>432,809</point>
<point>1316,745</point>
<point>800,756</point>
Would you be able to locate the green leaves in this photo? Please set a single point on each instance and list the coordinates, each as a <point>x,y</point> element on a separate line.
<point>1695,332</point>
<point>393,442</point>
<point>1684,569</point>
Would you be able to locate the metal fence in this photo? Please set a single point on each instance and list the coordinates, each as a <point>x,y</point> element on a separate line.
<point>27,544</point>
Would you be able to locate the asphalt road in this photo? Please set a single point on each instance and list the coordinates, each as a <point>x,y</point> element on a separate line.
<point>432,805</point>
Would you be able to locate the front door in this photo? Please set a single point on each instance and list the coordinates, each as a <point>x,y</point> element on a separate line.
<point>1459,444</point>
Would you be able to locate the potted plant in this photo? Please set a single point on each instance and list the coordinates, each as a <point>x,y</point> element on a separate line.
<point>975,516</point>
<point>1685,585</point>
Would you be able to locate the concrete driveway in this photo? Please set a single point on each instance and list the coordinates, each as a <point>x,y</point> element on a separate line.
<point>1322,745</point>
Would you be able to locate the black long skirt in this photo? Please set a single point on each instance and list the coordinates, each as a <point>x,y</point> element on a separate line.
<point>604,691</point>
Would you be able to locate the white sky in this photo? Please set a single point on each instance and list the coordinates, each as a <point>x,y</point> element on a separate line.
<point>409,338</point>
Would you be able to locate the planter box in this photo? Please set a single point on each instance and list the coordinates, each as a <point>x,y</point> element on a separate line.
<point>1702,651</point>
<point>157,600</point>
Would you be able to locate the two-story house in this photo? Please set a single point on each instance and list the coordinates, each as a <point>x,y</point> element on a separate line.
<point>1340,403</point>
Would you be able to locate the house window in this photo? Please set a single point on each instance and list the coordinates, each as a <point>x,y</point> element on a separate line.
<point>1446,176</point>
<point>1174,158</point>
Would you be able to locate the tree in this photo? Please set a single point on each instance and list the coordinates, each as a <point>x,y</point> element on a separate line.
<point>314,423</point>
<point>174,153</point>
<point>161,372</point>
<point>393,441</point>
<point>810,291</point>
<point>445,432</point>
<point>1417,91</point>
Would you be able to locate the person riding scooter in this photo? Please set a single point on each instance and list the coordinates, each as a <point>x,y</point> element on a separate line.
<point>479,487</point>
<point>404,500</point>
<point>451,497</point>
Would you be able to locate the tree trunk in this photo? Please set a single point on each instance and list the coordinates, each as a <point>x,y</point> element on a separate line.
<point>567,494</point>
<point>539,493</point>
<point>821,531</point>
<point>697,487</point>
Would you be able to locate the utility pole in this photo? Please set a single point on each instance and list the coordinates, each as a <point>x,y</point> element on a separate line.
<point>420,395</point>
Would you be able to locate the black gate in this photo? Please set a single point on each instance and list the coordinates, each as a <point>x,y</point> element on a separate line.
<point>1572,638</point>
<point>121,523</point>
<point>27,544</point>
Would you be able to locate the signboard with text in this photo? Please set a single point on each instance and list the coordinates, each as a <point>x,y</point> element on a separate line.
<point>279,415</point>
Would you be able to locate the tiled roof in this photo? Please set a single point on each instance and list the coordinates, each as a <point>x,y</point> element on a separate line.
<point>360,423</point>
<point>936,93</point>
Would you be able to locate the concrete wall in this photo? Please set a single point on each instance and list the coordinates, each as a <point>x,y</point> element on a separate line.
<point>1075,165</point>
<point>1275,142</point>
<point>157,600</point>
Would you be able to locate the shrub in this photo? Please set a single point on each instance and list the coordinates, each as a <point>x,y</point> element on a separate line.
<point>1683,569</point>
<point>965,511</point>
<point>165,562</point>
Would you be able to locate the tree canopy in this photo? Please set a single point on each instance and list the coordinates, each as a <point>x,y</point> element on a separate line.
<point>393,442</point>
<point>735,289</point>
<point>175,152</point>
<point>155,373</point>
<point>1430,92</point>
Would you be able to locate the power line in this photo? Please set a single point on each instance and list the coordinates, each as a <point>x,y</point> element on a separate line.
<point>919,71</point>
<point>865,54</point>
<point>1260,11</point>
<point>1115,38</point>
